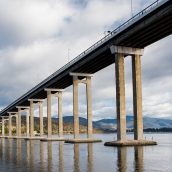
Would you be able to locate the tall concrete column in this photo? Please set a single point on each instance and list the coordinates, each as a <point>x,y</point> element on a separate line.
<point>75,107</point>
<point>60,114</point>
<point>17,131</point>
<point>31,119</point>
<point>3,127</point>
<point>49,114</point>
<point>27,124</point>
<point>10,126</point>
<point>89,107</point>
<point>41,118</point>
<point>120,96</point>
<point>137,97</point>
<point>19,123</point>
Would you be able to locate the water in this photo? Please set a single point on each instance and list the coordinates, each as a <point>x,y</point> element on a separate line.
<point>23,156</point>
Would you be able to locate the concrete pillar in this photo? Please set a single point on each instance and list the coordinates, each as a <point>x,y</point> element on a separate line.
<point>89,107</point>
<point>31,119</point>
<point>3,127</point>
<point>75,107</point>
<point>19,123</point>
<point>120,96</point>
<point>17,131</point>
<point>27,124</point>
<point>41,118</point>
<point>10,126</point>
<point>60,114</point>
<point>137,97</point>
<point>49,114</point>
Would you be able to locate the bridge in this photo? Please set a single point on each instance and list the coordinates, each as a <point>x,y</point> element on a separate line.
<point>129,39</point>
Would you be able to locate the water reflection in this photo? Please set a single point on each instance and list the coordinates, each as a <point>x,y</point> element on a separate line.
<point>20,155</point>
<point>18,151</point>
<point>61,160</point>
<point>76,158</point>
<point>42,156</point>
<point>90,157</point>
<point>49,156</point>
<point>28,152</point>
<point>139,163</point>
<point>122,159</point>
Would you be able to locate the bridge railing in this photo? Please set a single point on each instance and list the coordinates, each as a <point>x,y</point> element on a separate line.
<point>93,47</point>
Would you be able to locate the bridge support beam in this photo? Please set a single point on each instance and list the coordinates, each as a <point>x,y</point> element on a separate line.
<point>137,97</point>
<point>31,114</point>
<point>27,124</point>
<point>3,127</point>
<point>57,93</point>
<point>120,52</point>
<point>120,97</point>
<point>10,126</point>
<point>11,114</point>
<point>19,123</point>
<point>31,118</point>
<point>78,78</point>
<point>41,123</point>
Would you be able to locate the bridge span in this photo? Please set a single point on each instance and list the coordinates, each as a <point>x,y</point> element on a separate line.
<point>148,26</point>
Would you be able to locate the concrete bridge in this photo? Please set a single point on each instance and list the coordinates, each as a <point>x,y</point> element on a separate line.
<point>129,39</point>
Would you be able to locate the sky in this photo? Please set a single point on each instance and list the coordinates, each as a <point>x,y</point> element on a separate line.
<point>37,37</point>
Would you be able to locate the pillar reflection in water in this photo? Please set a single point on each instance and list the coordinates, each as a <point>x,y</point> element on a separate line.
<point>139,162</point>
<point>32,156</point>
<point>10,148</point>
<point>122,159</point>
<point>90,157</point>
<point>49,156</point>
<point>28,152</point>
<point>42,156</point>
<point>61,160</point>
<point>76,158</point>
<point>18,151</point>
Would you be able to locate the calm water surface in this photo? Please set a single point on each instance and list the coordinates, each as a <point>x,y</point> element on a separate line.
<point>23,156</point>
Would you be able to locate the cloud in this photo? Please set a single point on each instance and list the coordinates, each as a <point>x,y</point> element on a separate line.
<point>36,37</point>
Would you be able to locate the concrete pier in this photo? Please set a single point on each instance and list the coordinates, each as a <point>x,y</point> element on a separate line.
<point>9,126</point>
<point>3,128</point>
<point>57,93</point>
<point>31,118</point>
<point>89,108</point>
<point>120,52</point>
<point>120,97</point>
<point>30,133</point>
<point>75,107</point>
<point>49,114</point>
<point>60,115</point>
<point>27,124</point>
<point>41,119</point>
<point>19,123</point>
<point>137,97</point>
<point>79,78</point>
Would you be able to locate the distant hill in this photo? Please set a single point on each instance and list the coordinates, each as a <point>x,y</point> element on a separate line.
<point>147,123</point>
<point>103,125</point>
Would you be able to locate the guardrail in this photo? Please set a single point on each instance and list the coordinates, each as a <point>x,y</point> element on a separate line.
<point>93,47</point>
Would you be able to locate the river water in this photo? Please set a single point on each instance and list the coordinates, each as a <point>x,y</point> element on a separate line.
<point>23,156</point>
